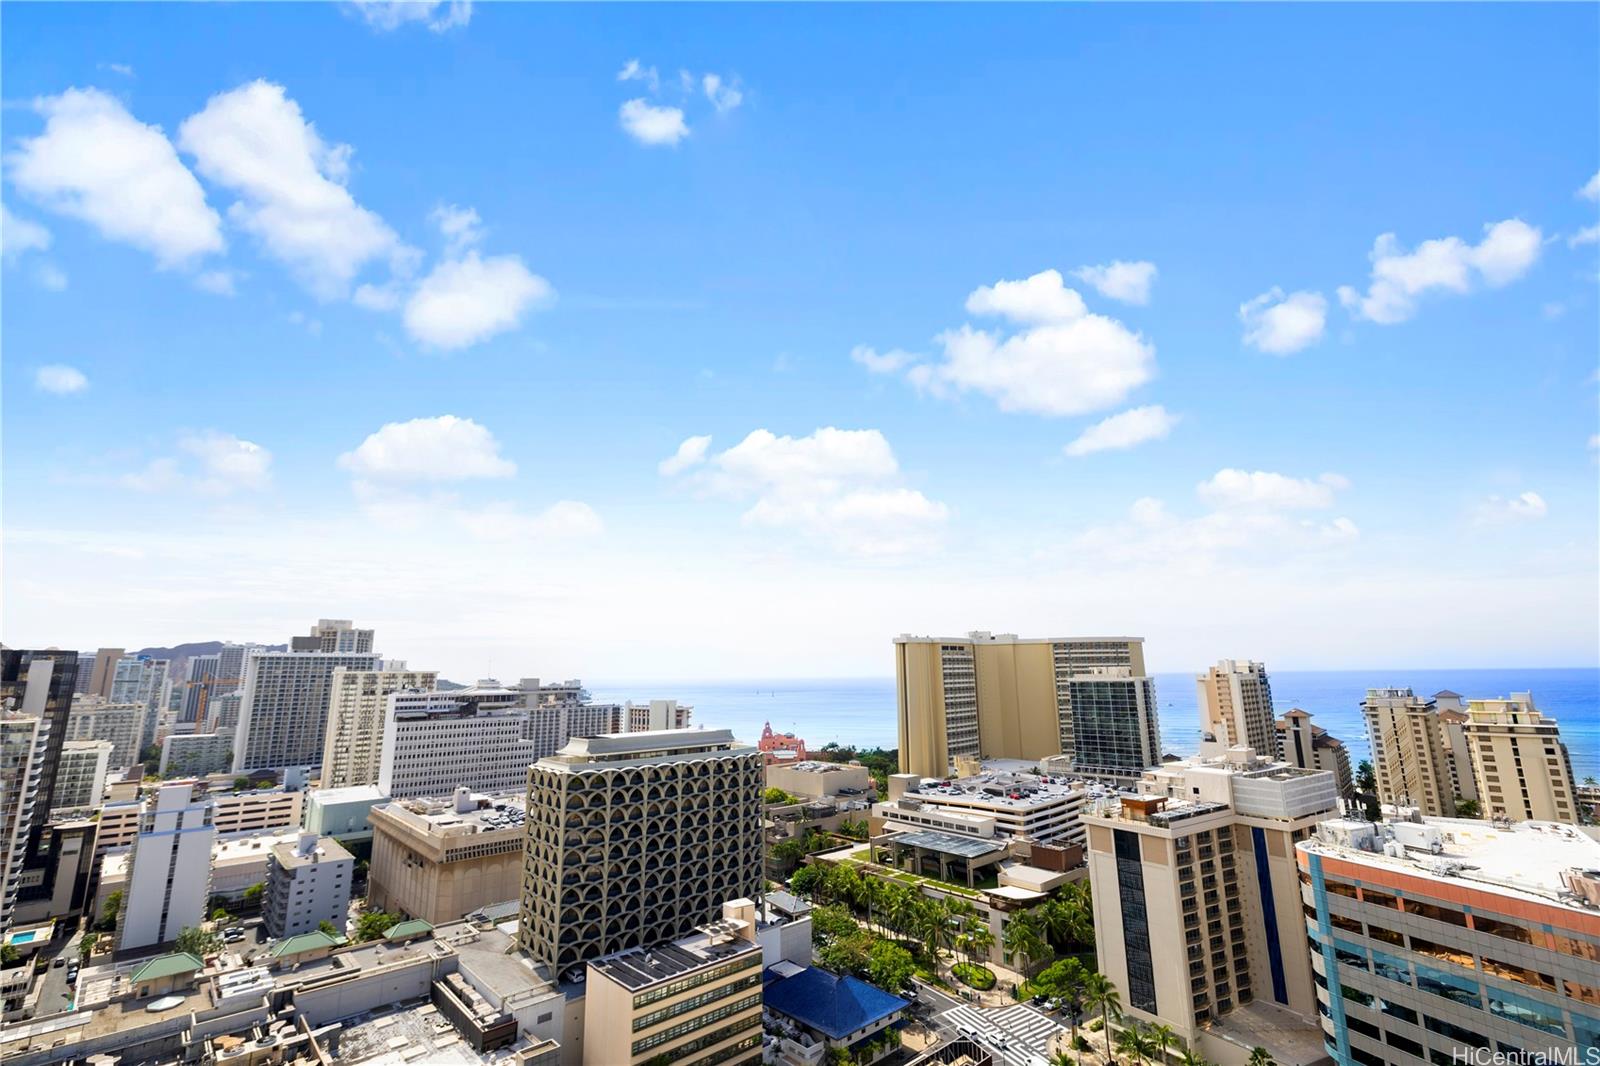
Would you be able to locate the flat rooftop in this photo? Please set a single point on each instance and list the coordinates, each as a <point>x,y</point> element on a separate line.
<point>327,849</point>
<point>646,742</point>
<point>946,844</point>
<point>1526,858</point>
<point>1002,789</point>
<point>639,968</point>
<point>508,811</point>
<point>348,794</point>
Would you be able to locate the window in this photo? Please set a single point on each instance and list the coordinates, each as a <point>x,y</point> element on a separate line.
<point>1526,1011</point>
<point>1387,966</point>
<point>1388,936</point>
<point>1379,899</point>
<point>1449,986</point>
<point>1437,913</point>
<point>1521,974</point>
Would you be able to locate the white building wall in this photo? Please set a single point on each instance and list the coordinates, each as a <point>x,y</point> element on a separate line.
<point>433,754</point>
<point>169,879</point>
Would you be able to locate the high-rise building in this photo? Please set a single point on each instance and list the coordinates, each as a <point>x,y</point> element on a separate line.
<point>105,671</point>
<point>1117,732</point>
<point>81,686</point>
<point>196,754</point>
<point>334,635</point>
<point>997,696</point>
<point>169,875</point>
<point>198,687</point>
<point>1413,761</point>
<point>637,838</point>
<point>358,707</point>
<point>283,706</point>
<point>434,743</point>
<point>1197,901</point>
<point>1236,704</point>
<point>92,718</point>
<point>1454,940</point>
<point>23,744</point>
<point>1311,747</point>
<point>39,684</point>
<point>81,777</point>
<point>224,712</point>
<point>1522,767</point>
<point>308,883</point>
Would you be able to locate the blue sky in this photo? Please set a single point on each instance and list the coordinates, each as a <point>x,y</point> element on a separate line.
<point>396,313</point>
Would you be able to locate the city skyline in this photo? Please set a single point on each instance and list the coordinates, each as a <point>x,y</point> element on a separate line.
<point>731,343</point>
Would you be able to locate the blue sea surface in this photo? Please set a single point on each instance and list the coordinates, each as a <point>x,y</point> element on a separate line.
<point>860,712</point>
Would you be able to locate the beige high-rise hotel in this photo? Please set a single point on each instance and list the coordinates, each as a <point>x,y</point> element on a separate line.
<point>1522,768</point>
<point>1000,696</point>
<point>1236,705</point>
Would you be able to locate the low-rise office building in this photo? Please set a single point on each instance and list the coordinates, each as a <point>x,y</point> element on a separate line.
<point>821,1015</point>
<point>308,882</point>
<point>820,780</point>
<point>81,775</point>
<point>994,804</point>
<point>443,859</point>
<point>693,1000</point>
<point>1437,939</point>
<point>253,810</point>
<point>341,813</point>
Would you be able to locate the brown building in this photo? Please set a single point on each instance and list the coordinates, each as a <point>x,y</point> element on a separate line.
<point>441,860</point>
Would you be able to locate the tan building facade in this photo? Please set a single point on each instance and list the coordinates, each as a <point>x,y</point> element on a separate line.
<point>1235,699</point>
<point>440,861</point>
<point>693,1001</point>
<point>1411,756</point>
<point>358,704</point>
<point>1310,747</point>
<point>1201,862</point>
<point>1522,767</point>
<point>995,695</point>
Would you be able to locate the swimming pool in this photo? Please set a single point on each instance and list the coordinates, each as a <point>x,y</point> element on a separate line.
<point>24,937</point>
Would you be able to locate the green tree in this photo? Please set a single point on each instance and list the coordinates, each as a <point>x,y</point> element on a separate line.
<point>954,927</point>
<point>803,882</point>
<point>241,784</point>
<point>1260,1056</point>
<point>1064,979</point>
<point>855,830</point>
<point>1191,1057</point>
<point>1023,938</point>
<point>851,953</point>
<point>980,938</point>
<point>1161,1038</point>
<point>374,924</point>
<point>253,894</point>
<point>776,797</point>
<point>830,921</point>
<point>1366,777</point>
<point>108,913</point>
<point>890,966</point>
<point>1466,808</point>
<point>326,926</point>
<point>200,942</point>
<point>1099,994</point>
<point>220,914</point>
<point>1134,1042</point>
<point>9,955</point>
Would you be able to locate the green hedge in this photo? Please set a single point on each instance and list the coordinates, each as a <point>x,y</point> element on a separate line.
<point>979,977</point>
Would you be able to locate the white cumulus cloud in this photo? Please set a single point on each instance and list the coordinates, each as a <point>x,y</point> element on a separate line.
<point>255,141</point>
<point>841,486</point>
<point>652,124</point>
<point>1591,188</point>
<point>227,462</point>
<point>724,96</point>
<point>1526,507</point>
<point>461,226</point>
<point>1587,235</point>
<point>1125,430</point>
<point>1128,282</point>
<point>468,300</point>
<point>97,163</point>
<point>1281,325</point>
<point>881,362</point>
<point>1400,278</point>
<point>633,70</point>
<point>60,379</point>
<point>692,452</point>
<point>1042,298</point>
<point>18,235</point>
<point>1263,490</point>
<point>445,448</point>
<point>438,15</point>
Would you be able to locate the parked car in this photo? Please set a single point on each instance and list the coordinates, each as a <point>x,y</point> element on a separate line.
<point>59,961</point>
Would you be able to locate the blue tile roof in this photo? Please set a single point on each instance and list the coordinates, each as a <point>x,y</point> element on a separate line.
<point>833,1005</point>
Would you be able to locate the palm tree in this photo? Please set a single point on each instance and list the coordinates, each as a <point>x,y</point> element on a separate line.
<point>1161,1038</point>
<point>1260,1056</point>
<point>1101,995</point>
<point>1024,940</point>
<point>1191,1057</point>
<point>956,912</point>
<point>980,938</point>
<point>1134,1043</point>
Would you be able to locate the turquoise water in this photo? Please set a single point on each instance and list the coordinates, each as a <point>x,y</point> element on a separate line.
<point>860,711</point>
<point>23,938</point>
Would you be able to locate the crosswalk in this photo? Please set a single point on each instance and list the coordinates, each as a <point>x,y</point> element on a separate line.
<point>1025,1031</point>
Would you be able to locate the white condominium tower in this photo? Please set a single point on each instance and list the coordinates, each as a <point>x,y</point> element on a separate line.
<point>1000,696</point>
<point>23,740</point>
<point>283,707</point>
<point>434,743</point>
<point>637,838</point>
<point>169,878</point>
<point>1236,705</point>
<point>334,634</point>
<point>358,704</point>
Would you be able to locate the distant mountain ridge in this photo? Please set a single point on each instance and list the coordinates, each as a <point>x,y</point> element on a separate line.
<point>180,654</point>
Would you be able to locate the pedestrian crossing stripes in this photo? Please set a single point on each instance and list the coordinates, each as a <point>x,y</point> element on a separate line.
<point>1025,1031</point>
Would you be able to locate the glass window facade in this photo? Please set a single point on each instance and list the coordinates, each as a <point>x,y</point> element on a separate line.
<point>1135,921</point>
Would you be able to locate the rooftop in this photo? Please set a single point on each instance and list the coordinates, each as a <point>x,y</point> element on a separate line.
<point>167,966</point>
<point>638,968</point>
<point>946,843</point>
<point>1001,788</point>
<point>644,743</point>
<point>833,1005</point>
<point>290,856</point>
<point>348,794</point>
<point>431,815</point>
<point>1522,858</point>
<point>298,945</point>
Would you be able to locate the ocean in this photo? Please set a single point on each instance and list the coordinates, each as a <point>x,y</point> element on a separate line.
<point>859,712</point>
